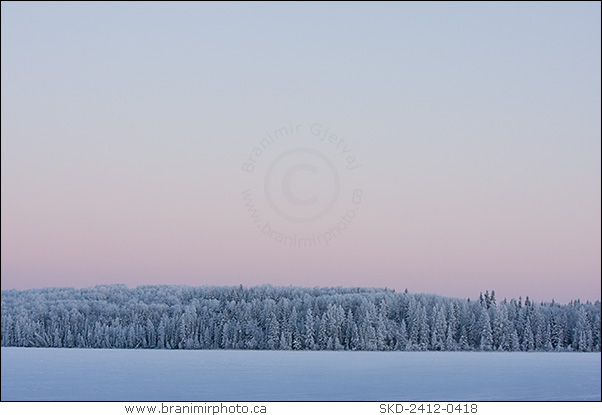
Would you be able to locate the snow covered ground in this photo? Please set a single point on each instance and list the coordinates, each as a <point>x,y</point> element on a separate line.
<point>215,375</point>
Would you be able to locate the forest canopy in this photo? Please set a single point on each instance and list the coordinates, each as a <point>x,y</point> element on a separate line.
<point>291,318</point>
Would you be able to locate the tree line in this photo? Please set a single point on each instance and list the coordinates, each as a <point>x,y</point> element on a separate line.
<point>291,318</point>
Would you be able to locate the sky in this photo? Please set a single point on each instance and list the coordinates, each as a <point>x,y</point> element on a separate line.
<point>444,148</point>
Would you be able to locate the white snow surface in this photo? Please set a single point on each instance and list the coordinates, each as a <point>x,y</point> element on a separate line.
<point>252,375</point>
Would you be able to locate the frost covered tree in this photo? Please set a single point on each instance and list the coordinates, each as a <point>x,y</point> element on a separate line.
<point>452,328</point>
<point>402,336</point>
<point>528,341</point>
<point>352,336</point>
<point>423,329</point>
<point>309,334</point>
<point>439,331</point>
<point>273,331</point>
<point>486,342</point>
<point>596,339</point>
<point>501,328</point>
<point>583,332</point>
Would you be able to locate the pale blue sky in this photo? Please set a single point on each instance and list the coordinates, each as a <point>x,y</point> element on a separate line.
<point>478,127</point>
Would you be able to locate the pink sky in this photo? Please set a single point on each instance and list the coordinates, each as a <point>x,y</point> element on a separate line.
<point>477,141</point>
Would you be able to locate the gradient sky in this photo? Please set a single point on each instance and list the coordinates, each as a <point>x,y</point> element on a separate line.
<point>477,128</point>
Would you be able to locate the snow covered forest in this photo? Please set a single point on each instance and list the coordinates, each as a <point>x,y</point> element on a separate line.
<point>267,317</point>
